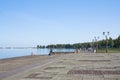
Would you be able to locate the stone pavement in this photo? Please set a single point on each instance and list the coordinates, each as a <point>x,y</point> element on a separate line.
<point>81,66</point>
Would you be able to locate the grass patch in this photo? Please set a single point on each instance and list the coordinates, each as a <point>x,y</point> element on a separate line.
<point>110,50</point>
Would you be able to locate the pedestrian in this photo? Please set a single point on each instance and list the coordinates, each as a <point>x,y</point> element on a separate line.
<point>51,51</point>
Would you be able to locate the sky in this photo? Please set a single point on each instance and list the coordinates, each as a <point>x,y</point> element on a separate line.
<point>43,22</point>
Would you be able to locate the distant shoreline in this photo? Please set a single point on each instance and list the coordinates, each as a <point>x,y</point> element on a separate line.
<point>18,47</point>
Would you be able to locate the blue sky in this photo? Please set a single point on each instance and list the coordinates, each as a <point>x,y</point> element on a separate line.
<point>32,22</point>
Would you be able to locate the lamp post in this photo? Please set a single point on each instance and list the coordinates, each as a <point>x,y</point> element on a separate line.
<point>96,43</point>
<point>106,36</point>
<point>92,43</point>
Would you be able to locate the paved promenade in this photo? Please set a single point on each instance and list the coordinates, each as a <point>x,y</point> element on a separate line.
<point>77,66</point>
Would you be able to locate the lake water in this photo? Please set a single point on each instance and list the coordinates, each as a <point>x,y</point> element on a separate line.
<point>9,53</point>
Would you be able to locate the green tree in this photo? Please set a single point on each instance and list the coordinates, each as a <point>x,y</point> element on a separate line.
<point>118,41</point>
<point>110,42</point>
<point>103,44</point>
<point>38,46</point>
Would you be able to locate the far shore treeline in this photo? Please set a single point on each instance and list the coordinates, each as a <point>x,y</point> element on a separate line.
<point>112,43</point>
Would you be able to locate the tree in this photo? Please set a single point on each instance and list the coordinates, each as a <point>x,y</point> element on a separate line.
<point>118,41</point>
<point>110,43</point>
<point>115,43</point>
<point>103,44</point>
<point>68,46</point>
<point>38,46</point>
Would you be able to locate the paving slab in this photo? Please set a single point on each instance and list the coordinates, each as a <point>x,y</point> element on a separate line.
<point>77,66</point>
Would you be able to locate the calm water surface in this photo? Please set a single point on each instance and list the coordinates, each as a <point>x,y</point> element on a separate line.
<point>9,53</point>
